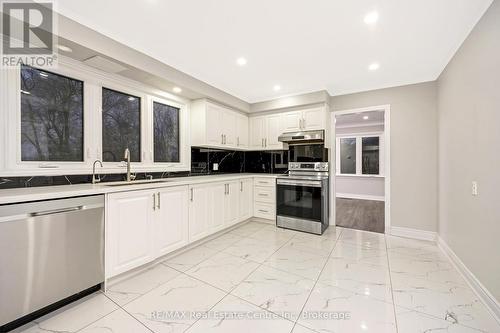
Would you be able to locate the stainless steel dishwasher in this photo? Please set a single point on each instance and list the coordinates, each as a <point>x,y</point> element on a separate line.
<point>51,252</point>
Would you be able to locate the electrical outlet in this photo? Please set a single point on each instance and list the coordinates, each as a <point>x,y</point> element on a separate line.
<point>215,167</point>
<point>474,188</point>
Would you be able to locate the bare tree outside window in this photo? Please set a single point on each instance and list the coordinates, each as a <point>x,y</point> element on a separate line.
<point>51,117</point>
<point>166,133</point>
<point>121,126</point>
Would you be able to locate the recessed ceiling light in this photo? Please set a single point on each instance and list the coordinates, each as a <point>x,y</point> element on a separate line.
<point>277,88</point>
<point>241,61</point>
<point>365,117</point>
<point>371,17</point>
<point>177,90</point>
<point>374,66</point>
<point>64,48</point>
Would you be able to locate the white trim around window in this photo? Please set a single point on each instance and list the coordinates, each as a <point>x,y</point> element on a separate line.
<point>359,154</point>
<point>94,80</point>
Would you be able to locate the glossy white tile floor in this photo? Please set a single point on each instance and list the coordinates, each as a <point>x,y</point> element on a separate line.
<point>258,278</point>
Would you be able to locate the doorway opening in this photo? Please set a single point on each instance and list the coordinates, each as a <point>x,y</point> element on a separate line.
<point>361,169</point>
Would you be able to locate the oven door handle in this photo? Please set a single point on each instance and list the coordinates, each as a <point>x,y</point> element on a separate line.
<point>295,182</point>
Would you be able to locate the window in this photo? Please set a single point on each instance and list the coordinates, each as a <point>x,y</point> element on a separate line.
<point>348,155</point>
<point>166,133</point>
<point>370,155</point>
<point>121,126</point>
<point>51,117</point>
<point>359,155</point>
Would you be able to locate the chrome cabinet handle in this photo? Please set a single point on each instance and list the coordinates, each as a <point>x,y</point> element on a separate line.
<point>241,186</point>
<point>159,201</point>
<point>263,211</point>
<point>191,195</point>
<point>154,201</point>
<point>238,141</point>
<point>222,139</point>
<point>262,195</point>
<point>265,142</point>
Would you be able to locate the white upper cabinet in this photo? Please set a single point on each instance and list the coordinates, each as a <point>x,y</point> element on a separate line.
<point>264,132</point>
<point>216,126</point>
<point>242,131</point>
<point>292,121</point>
<point>274,130</point>
<point>258,130</point>
<point>309,119</point>
<point>314,119</point>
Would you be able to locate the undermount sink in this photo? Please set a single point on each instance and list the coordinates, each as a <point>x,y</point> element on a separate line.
<point>136,182</point>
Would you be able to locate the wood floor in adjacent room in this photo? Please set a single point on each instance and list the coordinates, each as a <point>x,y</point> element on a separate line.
<point>364,215</point>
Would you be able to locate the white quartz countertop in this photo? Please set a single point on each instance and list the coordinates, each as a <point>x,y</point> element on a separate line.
<point>10,196</point>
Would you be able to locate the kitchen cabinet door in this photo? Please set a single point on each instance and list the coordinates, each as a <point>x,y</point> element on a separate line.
<point>229,128</point>
<point>241,131</point>
<point>217,206</point>
<point>199,211</point>
<point>292,121</point>
<point>231,203</point>
<point>313,119</point>
<point>214,125</point>
<point>246,199</point>
<point>171,221</point>
<point>257,132</point>
<point>129,228</point>
<point>274,130</point>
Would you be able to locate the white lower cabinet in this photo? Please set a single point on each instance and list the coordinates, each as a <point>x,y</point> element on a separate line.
<point>144,225</point>
<point>170,227</point>
<point>246,199</point>
<point>217,206</point>
<point>231,203</point>
<point>199,211</point>
<point>129,225</point>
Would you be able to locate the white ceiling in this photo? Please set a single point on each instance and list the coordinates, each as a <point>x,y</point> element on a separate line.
<point>302,46</point>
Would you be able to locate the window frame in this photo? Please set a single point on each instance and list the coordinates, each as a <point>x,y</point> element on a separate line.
<point>359,154</point>
<point>94,80</point>
<point>142,119</point>
<point>183,123</point>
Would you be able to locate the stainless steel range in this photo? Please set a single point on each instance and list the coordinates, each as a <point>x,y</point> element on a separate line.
<point>302,197</point>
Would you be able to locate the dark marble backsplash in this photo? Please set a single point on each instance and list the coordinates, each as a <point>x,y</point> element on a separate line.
<point>202,163</point>
<point>36,181</point>
<point>229,161</point>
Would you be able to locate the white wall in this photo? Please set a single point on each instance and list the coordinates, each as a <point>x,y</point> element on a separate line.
<point>414,201</point>
<point>360,187</point>
<point>469,141</point>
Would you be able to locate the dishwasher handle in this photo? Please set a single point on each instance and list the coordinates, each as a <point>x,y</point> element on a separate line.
<point>57,211</point>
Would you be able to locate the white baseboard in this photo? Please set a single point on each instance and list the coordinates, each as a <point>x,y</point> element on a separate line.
<point>360,196</point>
<point>414,233</point>
<point>486,297</point>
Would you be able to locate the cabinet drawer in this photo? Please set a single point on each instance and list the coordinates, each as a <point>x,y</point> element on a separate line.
<point>265,181</point>
<point>264,194</point>
<point>264,210</point>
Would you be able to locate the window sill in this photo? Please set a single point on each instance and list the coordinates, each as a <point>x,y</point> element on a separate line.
<point>359,176</point>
